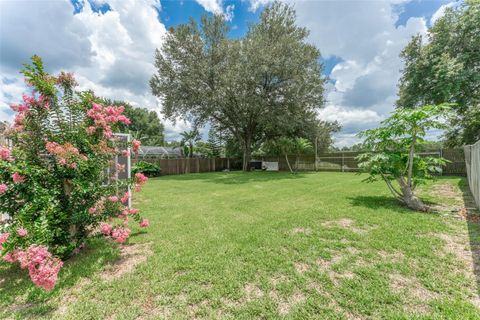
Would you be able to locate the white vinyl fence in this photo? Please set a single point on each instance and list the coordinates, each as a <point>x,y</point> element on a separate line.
<point>472,160</point>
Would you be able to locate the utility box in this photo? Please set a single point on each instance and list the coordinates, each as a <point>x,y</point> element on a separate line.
<point>270,166</point>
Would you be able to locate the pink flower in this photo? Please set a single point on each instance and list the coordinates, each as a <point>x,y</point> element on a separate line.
<point>125,153</point>
<point>105,228</point>
<point>120,234</point>
<point>92,210</point>
<point>91,130</point>
<point>136,145</point>
<point>5,154</point>
<point>144,223</point>
<point>3,239</point>
<point>43,268</point>
<point>113,198</point>
<point>120,167</point>
<point>3,188</point>
<point>18,178</point>
<point>133,211</point>
<point>123,119</point>
<point>125,197</point>
<point>140,179</point>
<point>22,232</point>
<point>10,257</point>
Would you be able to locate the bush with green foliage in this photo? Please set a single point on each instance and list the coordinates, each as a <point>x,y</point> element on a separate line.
<point>53,183</point>
<point>147,168</point>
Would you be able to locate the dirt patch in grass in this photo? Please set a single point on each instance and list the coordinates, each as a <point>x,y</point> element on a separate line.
<point>416,297</point>
<point>300,230</point>
<point>130,257</point>
<point>447,190</point>
<point>395,256</point>
<point>348,224</point>
<point>71,296</point>
<point>252,292</point>
<point>152,311</point>
<point>326,266</point>
<point>463,205</point>
<point>301,267</point>
<point>459,247</point>
<point>285,305</point>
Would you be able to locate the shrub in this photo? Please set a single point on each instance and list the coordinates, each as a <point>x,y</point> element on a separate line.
<point>147,168</point>
<point>53,181</point>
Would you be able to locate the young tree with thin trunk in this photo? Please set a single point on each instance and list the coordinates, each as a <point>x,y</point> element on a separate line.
<point>393,156</point>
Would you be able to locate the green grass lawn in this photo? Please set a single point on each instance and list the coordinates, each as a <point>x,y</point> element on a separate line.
<point>269,245</point>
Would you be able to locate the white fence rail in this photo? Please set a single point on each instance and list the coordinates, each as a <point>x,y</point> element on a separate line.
<point>472,160</point>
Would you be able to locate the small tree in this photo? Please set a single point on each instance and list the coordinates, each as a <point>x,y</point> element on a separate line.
<point>300,147</point>
<point>189,138</point>
<point>52,183</point>
<point>285,146</point>
<point>393,155</point>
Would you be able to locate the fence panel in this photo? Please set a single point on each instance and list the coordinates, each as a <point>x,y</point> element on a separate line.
<point>346,161</point>
<point>188,165</point>
<point>472,161</point>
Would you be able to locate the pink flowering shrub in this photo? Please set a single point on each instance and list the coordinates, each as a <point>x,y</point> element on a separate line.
<point>53,181</point>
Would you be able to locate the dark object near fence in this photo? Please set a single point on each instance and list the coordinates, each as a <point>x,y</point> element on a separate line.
<point>147,168</point>
<point>255,165</point>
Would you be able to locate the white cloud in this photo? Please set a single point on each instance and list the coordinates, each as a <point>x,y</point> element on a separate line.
<point>216,7</point>
<point>256,4</point>
<point>110,53</point>
<point>364,36</point>
<point>440,12</point>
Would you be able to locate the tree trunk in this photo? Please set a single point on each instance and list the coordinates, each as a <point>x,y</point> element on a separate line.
<point>247,153</point>
<point>288,163</point>
<point>409,198</point>
<point>410,160</point>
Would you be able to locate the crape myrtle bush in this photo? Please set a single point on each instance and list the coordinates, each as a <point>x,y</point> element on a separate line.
<point>53,182</point>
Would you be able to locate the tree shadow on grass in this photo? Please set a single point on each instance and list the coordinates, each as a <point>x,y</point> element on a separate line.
<point>377,202</point>
<point>235,177</point>
<point>15,283</point>
<point>473,225</point>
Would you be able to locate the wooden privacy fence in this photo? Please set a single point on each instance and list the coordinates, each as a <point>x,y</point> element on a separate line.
<point>346,161</point>
<point>472,160</point>
<point>190,165</point>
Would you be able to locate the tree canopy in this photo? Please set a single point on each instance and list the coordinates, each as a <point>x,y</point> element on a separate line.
<point>265,85</point>
<point>445,68</point>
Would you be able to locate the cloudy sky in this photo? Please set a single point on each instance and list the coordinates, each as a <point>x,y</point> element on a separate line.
<point>110,45</point>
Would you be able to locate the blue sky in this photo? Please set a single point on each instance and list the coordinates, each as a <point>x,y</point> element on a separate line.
<point>109,44</point>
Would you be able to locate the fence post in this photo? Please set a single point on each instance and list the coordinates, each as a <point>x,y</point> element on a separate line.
<point>316,153</point>
<point>343,162</point>
<point>198,165</point>
<point>441,156</point>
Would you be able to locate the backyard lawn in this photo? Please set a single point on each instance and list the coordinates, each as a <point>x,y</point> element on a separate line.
<point>269,245</point>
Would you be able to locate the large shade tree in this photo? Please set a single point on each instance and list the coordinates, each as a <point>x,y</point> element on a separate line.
<point>446,69</point>
<point>255,88</point>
